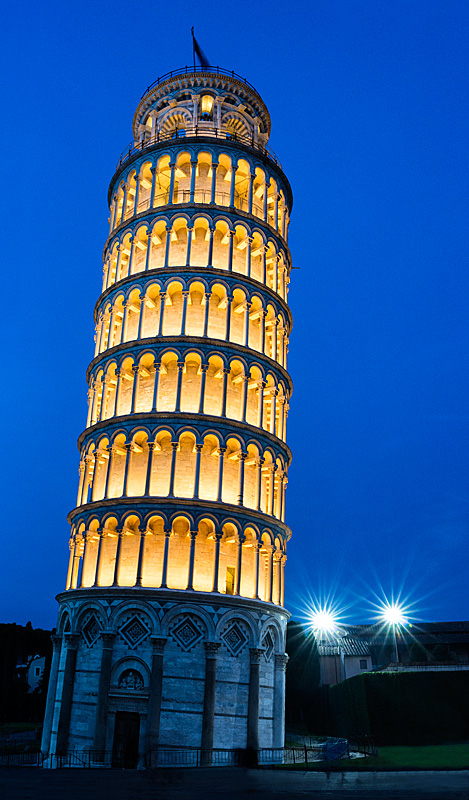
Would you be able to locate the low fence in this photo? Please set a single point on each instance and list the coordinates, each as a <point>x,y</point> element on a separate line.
<point>326,750</point>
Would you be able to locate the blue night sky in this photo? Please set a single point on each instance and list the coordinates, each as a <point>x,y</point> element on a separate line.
<point>369,117</point>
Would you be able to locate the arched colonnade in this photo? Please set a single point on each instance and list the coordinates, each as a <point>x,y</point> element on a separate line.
<point>189,382</point>
<point>193,308</point>
<point>204,466</point>
<point>181,553</point>
<point>201,177</point>
<point>197,241</point>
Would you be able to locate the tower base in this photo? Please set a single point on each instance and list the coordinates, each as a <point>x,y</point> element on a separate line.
<point>137,670</point>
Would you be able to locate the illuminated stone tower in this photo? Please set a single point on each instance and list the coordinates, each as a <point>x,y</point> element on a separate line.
<point>171,631</point>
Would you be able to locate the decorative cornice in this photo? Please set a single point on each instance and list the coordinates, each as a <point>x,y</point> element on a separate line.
<point>200,341</point>
<point>177,503</point>
<point>171,208</point>
<point>176,595</point>
<point>208,421</point>
<point>172,272</point>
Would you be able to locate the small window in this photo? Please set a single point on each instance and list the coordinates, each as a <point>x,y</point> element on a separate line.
<point>230,580</point>
<point>206,107</point>
<point>363,663</point>
<point>37,671</point>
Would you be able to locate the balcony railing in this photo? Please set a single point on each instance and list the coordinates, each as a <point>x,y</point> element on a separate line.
<point>195,132</point>
<point>201,196</point>
<point>193,69</point>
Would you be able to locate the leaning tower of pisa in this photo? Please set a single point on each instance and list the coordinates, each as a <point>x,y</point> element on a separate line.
<point>171,629</point>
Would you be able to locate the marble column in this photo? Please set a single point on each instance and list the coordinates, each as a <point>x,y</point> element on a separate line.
<point>226,373</point>
<point>216,562</point>
<point>258,547</point>
<point>164,575</point>
<point>141,556</point>
<point>161,319</point>
<point>278,728</point>
<point>208,718</point>
<point>242,459</point>
<point>128,447</point>
<point>210,248</point>
<point>207,296</point>
<point>136,372</point>
<point>154,700</point>
<point>172,473</point>
<point>231,234</point>
<point>229,298</point>
<point>99,556</point>
<point>120,534</point>
<point>151,450</point>
<point>180,366</point>
<point>221,454</point>
<point>199,448</point>
<point>102,702</point>
<point>214,182</point>
<point>239,563</point>
<point>190,579</point>
<point>50,705</point>
<point>253,698</point>
<point>203,378</point>
<point>157,366</point>
<point>87,537</point>
<point>72,640</point>
<point>71,545</point>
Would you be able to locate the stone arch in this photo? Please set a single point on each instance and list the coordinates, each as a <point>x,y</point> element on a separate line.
<point>188,608</point>
<point>125,611</point>
<point>248,626</point>
<point>236,124</point>
<point>174,120</point>
<point>64,623</point>
<point>91,621</point>
<point>130,663</point>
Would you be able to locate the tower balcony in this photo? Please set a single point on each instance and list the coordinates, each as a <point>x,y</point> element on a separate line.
<point>200,197</point>
<point>189,133</point>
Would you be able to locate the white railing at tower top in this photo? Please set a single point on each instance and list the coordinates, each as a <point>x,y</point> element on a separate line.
<point>198,69</point>
<point>196,132</point>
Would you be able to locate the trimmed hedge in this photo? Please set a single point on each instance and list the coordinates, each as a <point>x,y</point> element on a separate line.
<point>402,708</point>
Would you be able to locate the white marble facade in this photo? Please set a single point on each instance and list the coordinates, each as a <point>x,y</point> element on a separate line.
<point>118,645</point>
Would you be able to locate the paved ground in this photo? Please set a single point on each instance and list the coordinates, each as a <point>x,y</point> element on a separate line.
<point>228,784</point>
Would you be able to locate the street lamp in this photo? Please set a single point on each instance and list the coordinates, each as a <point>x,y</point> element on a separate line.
<point>323,621</point>
<point>393,615</point>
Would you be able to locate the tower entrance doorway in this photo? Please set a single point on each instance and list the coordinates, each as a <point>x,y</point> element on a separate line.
<point>126,735</point>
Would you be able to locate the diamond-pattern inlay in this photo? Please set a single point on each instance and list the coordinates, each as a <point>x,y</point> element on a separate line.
<point>235,639</point>
<point>91,630</point>
<point>134,632</point>
<point>186,633</point>
<point>269,644</point>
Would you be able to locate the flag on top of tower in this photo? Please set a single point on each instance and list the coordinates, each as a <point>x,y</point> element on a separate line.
<point>197,51</point>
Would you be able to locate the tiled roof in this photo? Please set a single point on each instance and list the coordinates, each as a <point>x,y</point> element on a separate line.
<point>344,645</point>
<point>356,640</point>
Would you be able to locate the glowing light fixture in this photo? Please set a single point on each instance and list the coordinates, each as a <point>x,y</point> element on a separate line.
<point>393,614</point>
<point>207,104</point>
<point>323,620</point>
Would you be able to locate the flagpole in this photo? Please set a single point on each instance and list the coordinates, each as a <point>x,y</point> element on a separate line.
<point>193,47</point>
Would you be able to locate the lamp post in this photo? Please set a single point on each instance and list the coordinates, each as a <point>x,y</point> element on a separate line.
<point>393,615</point>
<point>324,623</point>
